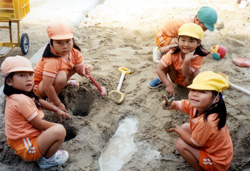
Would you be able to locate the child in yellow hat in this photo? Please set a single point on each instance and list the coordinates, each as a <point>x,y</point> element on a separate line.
<point>167,35</point>
<point>204,142</point>
<point>183,63</point>
<point>61,59</point>
<point>27,133</point>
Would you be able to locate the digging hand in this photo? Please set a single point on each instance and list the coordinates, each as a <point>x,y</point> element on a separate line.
<point>167,102</point>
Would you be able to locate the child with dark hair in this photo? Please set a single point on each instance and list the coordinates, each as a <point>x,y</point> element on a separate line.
<point>167,36</point>
<point>183,63</point>
<point>27,133</point>
<point>60,61</point>
<point>204,142</point>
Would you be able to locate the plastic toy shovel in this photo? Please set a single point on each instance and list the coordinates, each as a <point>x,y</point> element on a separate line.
<point>100,88</point>
<point>124,71</point>
<point>233,85</point>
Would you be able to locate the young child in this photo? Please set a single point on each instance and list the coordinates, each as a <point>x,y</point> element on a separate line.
<point>167,36</point>
<point>204,142</point>
<point>183,63</point>
<point>27,133</point>
<point>61,59</point>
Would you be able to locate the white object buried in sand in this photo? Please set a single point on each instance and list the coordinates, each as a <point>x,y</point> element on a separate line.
<point>121,146</point>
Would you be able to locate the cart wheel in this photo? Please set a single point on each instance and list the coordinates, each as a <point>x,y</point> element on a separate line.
<point>25,43</point>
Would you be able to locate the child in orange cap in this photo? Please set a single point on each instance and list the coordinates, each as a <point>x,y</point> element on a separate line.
<point>61,59</point>
<point>27,133</point>
<point>183,63</point>
<point>204,142</point>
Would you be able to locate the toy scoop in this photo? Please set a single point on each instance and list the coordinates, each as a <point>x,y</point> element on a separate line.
<point>124,71</point>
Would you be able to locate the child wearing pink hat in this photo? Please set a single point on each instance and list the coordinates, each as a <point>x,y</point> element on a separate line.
<point>27,133</point>
<point>61,60</point>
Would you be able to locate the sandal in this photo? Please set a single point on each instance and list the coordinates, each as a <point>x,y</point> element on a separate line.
<point>73,83</point>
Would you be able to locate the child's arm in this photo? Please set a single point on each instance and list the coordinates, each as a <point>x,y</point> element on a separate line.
<point>85,69</point>
<point>48,106</point>
<point>184,135</point>
<point>41,124</point>
<point>186,67</point>
<point>163,77</point>
<point>50,91</point>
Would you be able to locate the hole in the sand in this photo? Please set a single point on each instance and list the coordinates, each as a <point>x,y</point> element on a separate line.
<point>69,125</point>
<point>78,100</point>
<point>81,110</point>
<point>70,132</point>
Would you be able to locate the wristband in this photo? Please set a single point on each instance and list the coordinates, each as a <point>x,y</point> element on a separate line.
<point>55,108</point>
<point>83,70</point>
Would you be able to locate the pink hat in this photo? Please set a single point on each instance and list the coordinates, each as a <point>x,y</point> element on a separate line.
<point>60,30</point>
<point>15,64</point>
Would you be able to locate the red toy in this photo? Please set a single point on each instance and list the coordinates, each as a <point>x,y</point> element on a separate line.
<point>219,51</point>
<point>242,62</point>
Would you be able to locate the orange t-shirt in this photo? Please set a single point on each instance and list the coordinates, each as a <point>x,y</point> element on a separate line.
<point>177,62</point>
<point>217,143</point>
<point>19,111</point>
<point>172,26</point>
<point>50,66</point>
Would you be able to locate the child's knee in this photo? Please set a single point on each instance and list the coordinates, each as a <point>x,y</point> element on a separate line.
<point>189,80</point>
<point>61,79</point>
<point>179,145</point>
<point>61,82</point>
<point>60,130</point>
<point>186,126</point>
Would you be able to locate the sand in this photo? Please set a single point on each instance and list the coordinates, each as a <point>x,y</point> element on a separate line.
<point>121,33</point>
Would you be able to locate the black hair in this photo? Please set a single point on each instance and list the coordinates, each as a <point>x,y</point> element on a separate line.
<point>9,90</point>
<point>200,50</point>
<point>219,108</point>
<point>48,54</point>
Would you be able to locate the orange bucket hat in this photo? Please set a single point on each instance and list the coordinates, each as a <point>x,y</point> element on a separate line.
<point>60,30</point>
<point>16,64</point>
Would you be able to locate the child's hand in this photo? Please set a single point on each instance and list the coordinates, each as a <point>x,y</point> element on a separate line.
<point>61,114</point>
<point>174,129</point>
<point>166,104</point>
<point>170,91</point>
<point>62,107</point>
<point>88,68</point>
<point>190,56</point>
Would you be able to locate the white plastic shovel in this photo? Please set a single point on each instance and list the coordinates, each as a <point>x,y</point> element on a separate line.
<point>124,71</point>
<point>233,85</point>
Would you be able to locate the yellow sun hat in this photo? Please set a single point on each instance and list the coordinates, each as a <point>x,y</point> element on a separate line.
<point>191,30</point>
<point>209,80</point>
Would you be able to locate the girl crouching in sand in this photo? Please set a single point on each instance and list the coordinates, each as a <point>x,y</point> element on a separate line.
<point>204,142</point>
<point>27,133</point>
